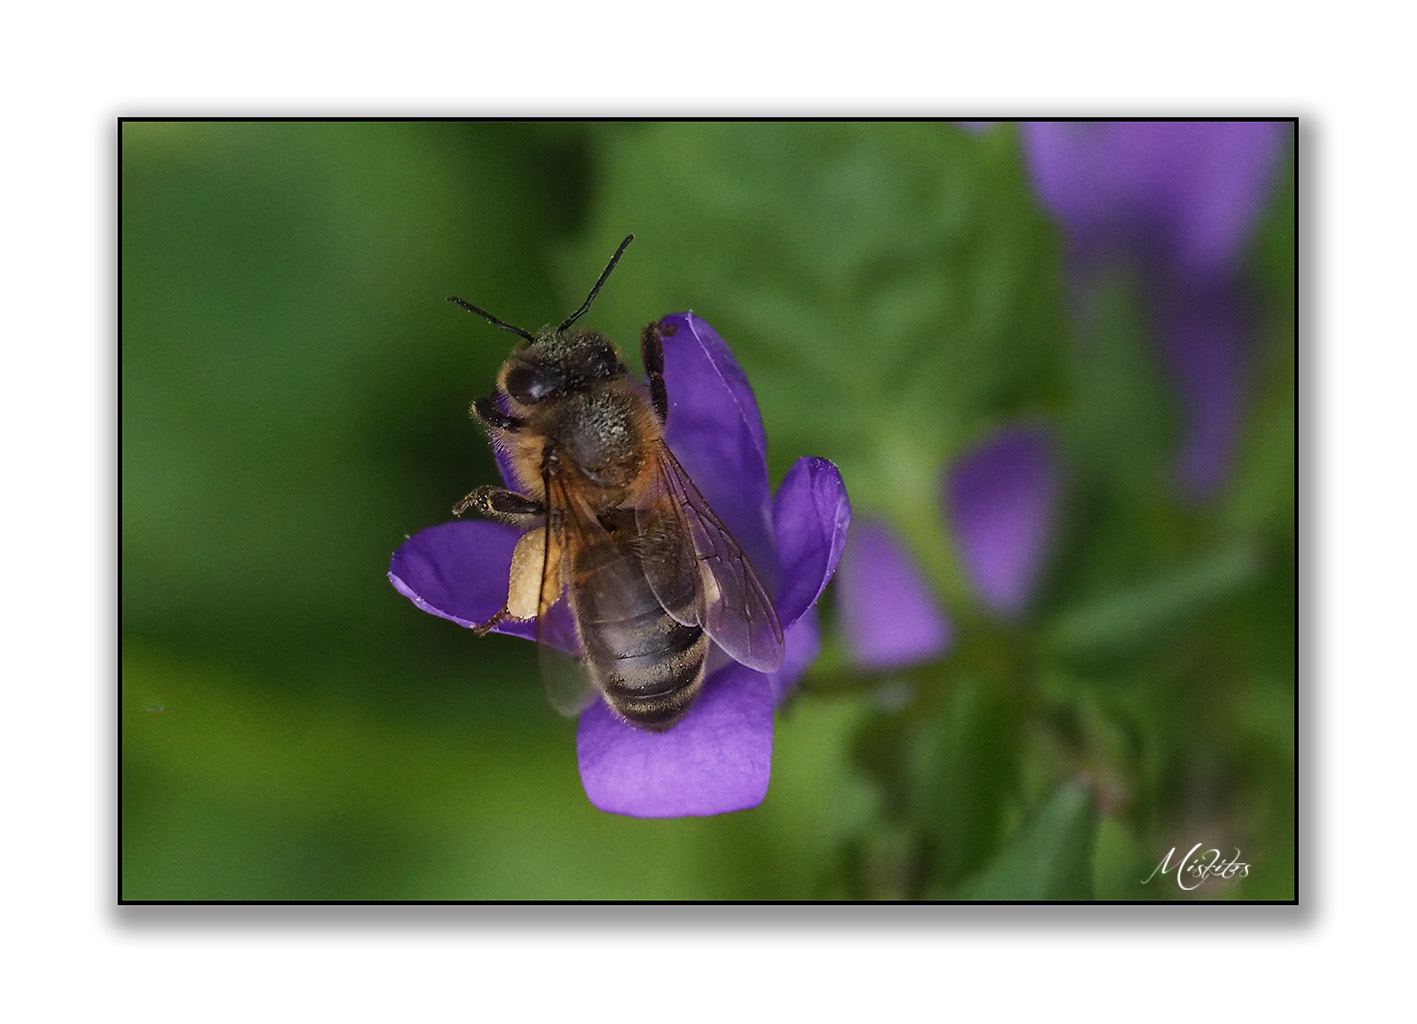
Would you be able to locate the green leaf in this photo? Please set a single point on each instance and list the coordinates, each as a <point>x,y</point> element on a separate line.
<point>1124,415</point>
<point>1049,858</point>
<point>969,770</point>
<point>1137,618</point>
<point>1263,496</point>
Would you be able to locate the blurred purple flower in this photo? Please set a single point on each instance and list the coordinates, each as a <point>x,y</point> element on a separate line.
<point>1180,200</point>
<point>1182,194</point>
<point>719,757</point>
<point>889,618</point>
<point>1001,500</point>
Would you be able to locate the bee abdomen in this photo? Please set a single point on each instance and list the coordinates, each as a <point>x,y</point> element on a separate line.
<point>649,667</point>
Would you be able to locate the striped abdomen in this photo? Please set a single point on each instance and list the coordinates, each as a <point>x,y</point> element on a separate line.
<point>649,666</point>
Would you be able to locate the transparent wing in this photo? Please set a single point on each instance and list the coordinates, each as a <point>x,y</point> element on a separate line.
<point>682,540</point>
<point>667,558</point>
<point>558,646</point>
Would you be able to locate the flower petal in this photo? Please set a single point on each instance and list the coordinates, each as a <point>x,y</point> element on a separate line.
<point>1182,199</point>
<point>1206,342</point>
<point>1234,166</point>
<point>811,515</point>
<point>1001,500</point>
<point>459,571</point>
<point>718,759</point>
<point>1185,193</point>
<point>1083,178</point>
<point>889,617</point>
<point>504,466</point>
<point>716,432</point>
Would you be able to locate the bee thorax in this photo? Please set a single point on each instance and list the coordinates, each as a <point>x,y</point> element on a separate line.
<point>599,435</point>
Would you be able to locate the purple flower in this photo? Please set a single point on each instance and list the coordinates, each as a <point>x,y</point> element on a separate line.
<point>1001,500</point>
<point>1180,201</point>
<point>889,618</point>
<point>718,758</point>
<point>1183,195</point>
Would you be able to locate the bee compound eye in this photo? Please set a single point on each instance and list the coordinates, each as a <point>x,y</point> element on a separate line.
<point>532,384</point>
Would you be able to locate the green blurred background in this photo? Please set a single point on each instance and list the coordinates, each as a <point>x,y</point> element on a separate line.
<point>294,403</point>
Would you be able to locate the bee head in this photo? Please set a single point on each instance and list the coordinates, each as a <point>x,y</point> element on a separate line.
<point>558,360</point>
<point>558,363</point>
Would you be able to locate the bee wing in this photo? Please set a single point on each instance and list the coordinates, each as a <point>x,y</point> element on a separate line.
<point>682,540</point>
<point>564,678</point>
<point>558,646</point>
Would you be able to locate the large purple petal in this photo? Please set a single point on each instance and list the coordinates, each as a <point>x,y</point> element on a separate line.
<point>456,570</point>
<point>459,571</point>
<point>716,432</point>
<point>718,759</point>
<point>889,617</point>
<point>1001,499</point>
<point>811,515</point>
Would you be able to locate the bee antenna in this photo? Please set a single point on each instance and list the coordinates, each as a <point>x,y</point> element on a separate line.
<point>489,317</point>
<point>594,291</point>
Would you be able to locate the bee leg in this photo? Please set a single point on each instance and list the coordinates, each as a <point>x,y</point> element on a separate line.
<point>486,410</point>
<point>486,627</point>
<point>652,351</point>
<point>531,577</point>
<point>501,505</point>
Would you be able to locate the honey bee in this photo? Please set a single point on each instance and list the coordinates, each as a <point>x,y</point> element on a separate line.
<point>616,533</point>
